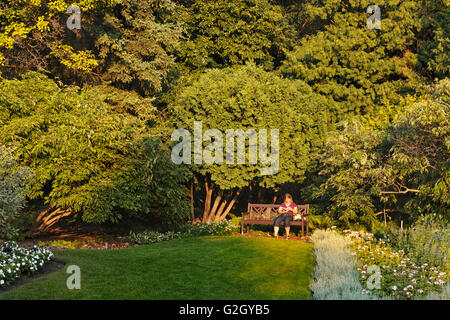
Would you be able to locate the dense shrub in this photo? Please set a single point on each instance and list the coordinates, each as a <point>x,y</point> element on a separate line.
<point>188,230</point>
<point>222,228</point>
<point>147,237</point>
<point>15,261</point>
<point>13,181</point>
<point>426,241</point>
<point>335,277</point>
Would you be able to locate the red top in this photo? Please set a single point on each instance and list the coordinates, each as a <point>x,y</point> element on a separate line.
<point>290,208</point>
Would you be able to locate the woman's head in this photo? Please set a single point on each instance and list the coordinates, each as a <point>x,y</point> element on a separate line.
<point>288,198</point>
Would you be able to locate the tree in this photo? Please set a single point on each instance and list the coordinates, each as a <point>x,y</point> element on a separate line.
<point>33,35</point>
<point>224,33</point>
<point>87,158</point>
<point>403,168</point>
<point>249,98</point>
<point>361,71</point>
<point>134,44</point>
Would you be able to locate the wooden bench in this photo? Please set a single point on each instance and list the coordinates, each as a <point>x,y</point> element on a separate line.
<point>265,214</point>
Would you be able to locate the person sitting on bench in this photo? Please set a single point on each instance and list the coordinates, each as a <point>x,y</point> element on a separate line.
<point>287,210</point>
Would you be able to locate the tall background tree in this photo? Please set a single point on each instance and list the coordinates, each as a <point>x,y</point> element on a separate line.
<point>247,97</point>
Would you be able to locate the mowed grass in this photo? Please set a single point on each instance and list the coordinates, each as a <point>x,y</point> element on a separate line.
<point>197,268</point>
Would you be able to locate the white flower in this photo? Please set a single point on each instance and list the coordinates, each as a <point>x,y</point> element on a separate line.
<point>394,288</point>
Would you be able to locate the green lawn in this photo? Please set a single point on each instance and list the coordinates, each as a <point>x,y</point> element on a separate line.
<point>196,268</point>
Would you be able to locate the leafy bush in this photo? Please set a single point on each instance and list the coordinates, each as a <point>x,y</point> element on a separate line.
<point>87,156</point>
<point>335,277</point>
<point>188,230</point>
<point>15,261</point>
<point>320,222</point>
<point>84,244</point>
<point>13,181</point>
<point>222,228</point>
<point>147,237</point>
<point>65,244</point>
<point>426,241</point>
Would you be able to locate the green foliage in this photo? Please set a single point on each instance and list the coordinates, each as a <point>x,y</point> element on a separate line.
<point>404,167</point>
<point>33,35</point>
<point>223,33</point>
<point>320,222</point>
<point>86,157</point>
<point>148,237</point>
<point>247,97</point>
<point>15,261</point>
<point>134,42</point>
<point>420,152</point>
<point>426,241</point>
<point>360,71</point>
<point>433,52</point>
<point>223,228</point>
<point>349,161</point>
<point>13,183</point>
<point>76,244</point>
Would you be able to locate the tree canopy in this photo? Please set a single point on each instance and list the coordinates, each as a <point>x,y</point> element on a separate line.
<point>85,156</point>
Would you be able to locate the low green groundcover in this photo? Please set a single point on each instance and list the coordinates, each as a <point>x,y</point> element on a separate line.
<point>195,268</point>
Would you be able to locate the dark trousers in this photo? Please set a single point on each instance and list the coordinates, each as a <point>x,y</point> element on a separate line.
<point>287,218</point>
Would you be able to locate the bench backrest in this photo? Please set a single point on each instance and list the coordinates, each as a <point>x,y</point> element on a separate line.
<point>259,211</point>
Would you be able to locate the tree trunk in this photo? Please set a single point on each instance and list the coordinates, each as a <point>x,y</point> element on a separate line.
<point>209,191</point>
<point>54,220</point>
<point>215,206</point>
<point>221,205</point>
<point>44,222</point>
<point>43,213</point>
<point>230,206</point>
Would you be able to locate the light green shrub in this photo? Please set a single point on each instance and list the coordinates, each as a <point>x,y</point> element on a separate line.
<point>148,237</point>
<point>222,228</point>
<point>13,181</point>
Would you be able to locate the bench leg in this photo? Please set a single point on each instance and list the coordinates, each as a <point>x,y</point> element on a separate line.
<point>247,228</point>
<point>307,226</point>
<point>242,227</point>
<point>303,227</point>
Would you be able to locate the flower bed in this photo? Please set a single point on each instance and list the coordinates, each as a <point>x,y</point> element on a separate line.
<point>15,261</point>
<point>148,237</point>
<point>89,244</point>
<point>401,277</point>
<point>335,276</point>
